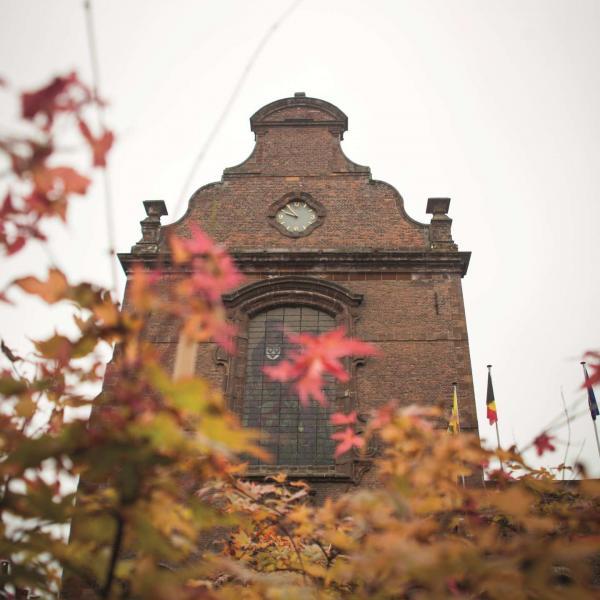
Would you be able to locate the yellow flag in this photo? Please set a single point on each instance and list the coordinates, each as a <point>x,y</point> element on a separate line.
<point>454,423</point>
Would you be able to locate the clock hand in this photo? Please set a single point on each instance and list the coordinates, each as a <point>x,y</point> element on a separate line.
<point>292,213</point>
<point>290,208</point>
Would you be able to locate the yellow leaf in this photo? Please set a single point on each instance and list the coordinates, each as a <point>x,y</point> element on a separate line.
<point>25,408</point>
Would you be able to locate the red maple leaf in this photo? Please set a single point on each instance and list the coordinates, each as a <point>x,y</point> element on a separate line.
<point>213,270</point>
<point>15,245</point>
<point>99,145</point>
<point>543,442</point>
<point>500,475</point>
<point>347,440</point>
<point>199,244</point>
<point>62,94</point>
<point>342,419</point>
<point>214,276</point>
<point>318,356</point>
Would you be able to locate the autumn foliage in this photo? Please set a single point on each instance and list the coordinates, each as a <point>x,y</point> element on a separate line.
<point>163,509</point>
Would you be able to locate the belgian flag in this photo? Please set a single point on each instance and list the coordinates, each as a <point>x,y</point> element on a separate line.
<point>492,415</point>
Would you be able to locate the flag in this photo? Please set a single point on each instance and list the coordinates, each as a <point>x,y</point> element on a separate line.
<point>454,423</point>
<point>490,401</point>
<point>591,396</point>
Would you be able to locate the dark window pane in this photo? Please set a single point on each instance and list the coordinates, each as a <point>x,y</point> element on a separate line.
<point>297,435</point>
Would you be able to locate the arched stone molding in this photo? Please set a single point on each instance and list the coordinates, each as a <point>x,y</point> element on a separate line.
<point>321,294</point>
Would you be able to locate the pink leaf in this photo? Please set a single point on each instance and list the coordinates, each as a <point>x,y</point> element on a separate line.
<point>342,419</point>
<point>594,377</point>
<point>348,439</point>
<point>319,355</point>
<point>543,443</point>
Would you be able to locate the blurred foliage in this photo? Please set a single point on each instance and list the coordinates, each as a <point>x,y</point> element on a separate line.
<point>162,509</point>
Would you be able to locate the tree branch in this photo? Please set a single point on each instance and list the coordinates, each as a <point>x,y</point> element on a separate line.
<point>116,548</point>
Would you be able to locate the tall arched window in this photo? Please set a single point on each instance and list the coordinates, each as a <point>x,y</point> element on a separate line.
<point>298,438</point>
<point>296,435</point>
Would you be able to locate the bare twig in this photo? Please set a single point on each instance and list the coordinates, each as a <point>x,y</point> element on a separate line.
<point>278,524</point>
<point>109,210</point>
<point>293,542</point>
<point>116,549</point>
<point>562,395</point>
<point>234,94</point>
<point>327,557</point>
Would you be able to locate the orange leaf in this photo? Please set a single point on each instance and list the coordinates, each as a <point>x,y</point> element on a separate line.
<point>53,290</point>
<point>63,180</point>
<point>100,146</point>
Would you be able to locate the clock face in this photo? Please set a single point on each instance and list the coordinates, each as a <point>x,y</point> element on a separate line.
<point>296,216</point>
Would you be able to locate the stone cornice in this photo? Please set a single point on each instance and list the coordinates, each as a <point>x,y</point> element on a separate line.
<point>280,261</point>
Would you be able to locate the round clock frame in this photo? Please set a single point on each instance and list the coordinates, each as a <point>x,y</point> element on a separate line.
<point>287,202</point>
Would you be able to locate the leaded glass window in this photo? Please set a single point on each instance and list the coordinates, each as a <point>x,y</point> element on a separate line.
<point>297,435</point>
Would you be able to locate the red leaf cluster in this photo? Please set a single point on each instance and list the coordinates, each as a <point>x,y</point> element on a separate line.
<point>543,443</point>
<point>213,270</point>
<point>319,355</point>
<point>44,189</point>
<point>196,298</point>
<point>347,439</point>
<point>62,94</point>
<point>342,419</point>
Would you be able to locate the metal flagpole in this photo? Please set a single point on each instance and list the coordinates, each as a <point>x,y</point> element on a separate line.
<point>455,396</point>
<point>495,410</point>
<point>590,397</point>
<point>489,367</point>
<point>597,440</point>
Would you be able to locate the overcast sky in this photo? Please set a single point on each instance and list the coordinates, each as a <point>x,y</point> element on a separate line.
<point>493,103</point>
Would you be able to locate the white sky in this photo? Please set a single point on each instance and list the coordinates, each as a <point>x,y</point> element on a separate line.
<point>493,103</point>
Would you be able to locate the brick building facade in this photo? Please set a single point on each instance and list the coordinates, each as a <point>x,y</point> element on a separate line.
<point>321,243</point>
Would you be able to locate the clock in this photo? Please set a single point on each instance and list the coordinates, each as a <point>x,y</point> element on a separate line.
<point>296,214</point>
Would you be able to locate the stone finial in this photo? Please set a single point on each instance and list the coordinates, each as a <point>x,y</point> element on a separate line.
<point>438,206</point>
<point>155,209</point>
<point>440,235</point>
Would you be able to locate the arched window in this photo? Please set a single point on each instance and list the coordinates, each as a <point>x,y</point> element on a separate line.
<point>297,437</point>
<point>296,434</point>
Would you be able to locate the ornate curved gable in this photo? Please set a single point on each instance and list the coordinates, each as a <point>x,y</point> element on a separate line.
<point>299,111</point>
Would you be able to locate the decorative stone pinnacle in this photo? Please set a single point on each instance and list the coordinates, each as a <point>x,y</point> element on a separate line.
<point>155,208</point>
<point>149,243</point>
<point>438,206</point>
<point>440,236</point>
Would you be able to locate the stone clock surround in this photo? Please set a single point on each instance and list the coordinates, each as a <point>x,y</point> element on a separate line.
<point>300,196</point>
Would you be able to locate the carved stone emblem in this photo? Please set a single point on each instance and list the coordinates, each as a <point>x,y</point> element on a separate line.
<point>273,351</point>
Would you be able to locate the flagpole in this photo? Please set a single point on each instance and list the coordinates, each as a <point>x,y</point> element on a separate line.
<point>455,395</point>
<point>489,368</point>
<point>586,378</point>
<point>597,440</point>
